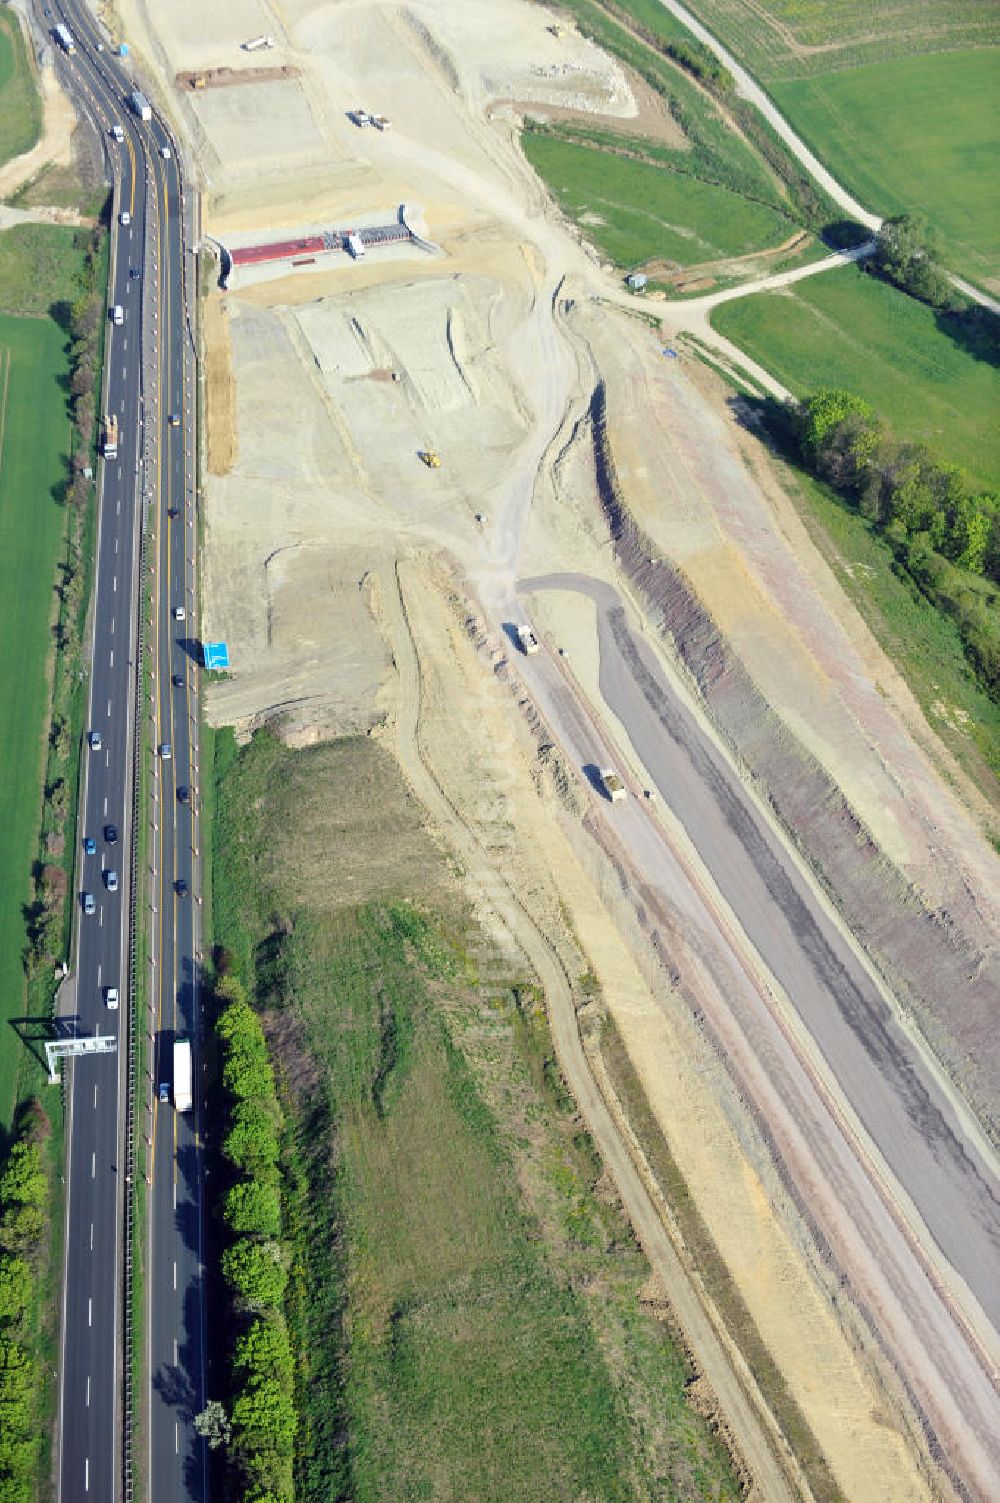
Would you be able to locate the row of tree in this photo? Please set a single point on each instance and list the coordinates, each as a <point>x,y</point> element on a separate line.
<point>945,531</point>
<point>258,1430</point>
<point>24,1222</point>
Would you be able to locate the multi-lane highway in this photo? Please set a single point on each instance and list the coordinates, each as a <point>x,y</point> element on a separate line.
<point>145,547</point>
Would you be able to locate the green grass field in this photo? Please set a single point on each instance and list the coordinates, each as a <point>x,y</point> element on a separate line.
<point>20,106</point>
<point>35,436</point>
<point>771,37</point>
<point>918,133</point>
<point>465,1308</point>
<point>634,212</point>
<point>847,329</point>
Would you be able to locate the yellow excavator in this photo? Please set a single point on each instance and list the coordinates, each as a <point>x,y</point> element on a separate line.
<point>431,459</point>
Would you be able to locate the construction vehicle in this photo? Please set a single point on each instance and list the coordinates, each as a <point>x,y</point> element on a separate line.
<point>183,1099</point>
<point>359,117</point>
<point>431,459</point>
<point>381,122</point>
<point>354,245</point>
<point>612,784</point>
<point>256,43</point>
<point>109,445</point>
<point>528,641</point>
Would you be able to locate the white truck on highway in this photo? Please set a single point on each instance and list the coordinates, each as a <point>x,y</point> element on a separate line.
<point>64,37</point>
<point>612,784</point>
<point>118,314</point>
<point>183,1099</point>
<point>140,105</point>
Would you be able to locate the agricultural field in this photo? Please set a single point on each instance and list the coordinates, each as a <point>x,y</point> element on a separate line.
<point>34,440</point>
<point>636,211</point>
<point>20,106</point>
<point>918,133</point>
<point>848,329</point>
<point>780,39</point>
<point>468,1304</point>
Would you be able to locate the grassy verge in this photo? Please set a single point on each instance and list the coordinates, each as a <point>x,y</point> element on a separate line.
<point>847,329</point>
<point>45,543</point>
<point>464,1295</point>
<point>923,643</point>
<point>635,210</point>
<point>20,105</point>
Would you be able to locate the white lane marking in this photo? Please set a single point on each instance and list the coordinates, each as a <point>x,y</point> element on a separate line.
<point>105,805</point>
<point>100,915</point>
<point>118,508</point>
<point>175,1275</point>
<point>109,709</point>
<point>88,1390</point>
<point>119,477</point>
<point>90,1312</point>
<point>124,374</point>
<point>177,1438</point>
<point>116,545</point>
<point>93,1166</point>
<point>176,1363</point>
<point>111,664</point>
<point>114,584</point>
<point>113,619</point>
<point>99,974</point>
<point>86,1475</point>
<point>124,344</point>
<point>92,1236</point>
<point>175,1195</point>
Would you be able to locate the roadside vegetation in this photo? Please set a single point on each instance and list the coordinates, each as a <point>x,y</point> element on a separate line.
<point>20,105</point>
<point>928,374</point>
<point>25,1209</point>
<point>464,1297</point>
<point>46,520</point>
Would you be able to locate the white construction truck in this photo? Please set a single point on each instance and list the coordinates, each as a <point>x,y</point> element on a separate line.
<point>528,640</point>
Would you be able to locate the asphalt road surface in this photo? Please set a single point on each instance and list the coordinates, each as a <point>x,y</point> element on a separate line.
<point>935,1163</point>
<point>149,379</point>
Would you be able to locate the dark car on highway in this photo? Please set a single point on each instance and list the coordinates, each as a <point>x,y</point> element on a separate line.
<point>111,834</point>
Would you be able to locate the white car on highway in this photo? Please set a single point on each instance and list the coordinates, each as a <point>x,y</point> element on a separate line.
<point>180,614</point>
<point>124,217</point>
<point>111,997</point>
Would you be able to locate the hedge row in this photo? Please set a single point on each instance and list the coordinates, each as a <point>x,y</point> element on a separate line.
<point>945,532</point>
<point>24,1220</point>
<point>258,1432</point>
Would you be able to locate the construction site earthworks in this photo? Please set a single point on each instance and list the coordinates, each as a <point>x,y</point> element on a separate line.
<point>432,417</point>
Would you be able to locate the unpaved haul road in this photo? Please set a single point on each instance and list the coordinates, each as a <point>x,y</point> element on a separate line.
<point>845,1090</point>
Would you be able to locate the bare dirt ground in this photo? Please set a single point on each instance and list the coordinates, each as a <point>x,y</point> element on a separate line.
<point>319,493</point>
<point>54,144</point>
